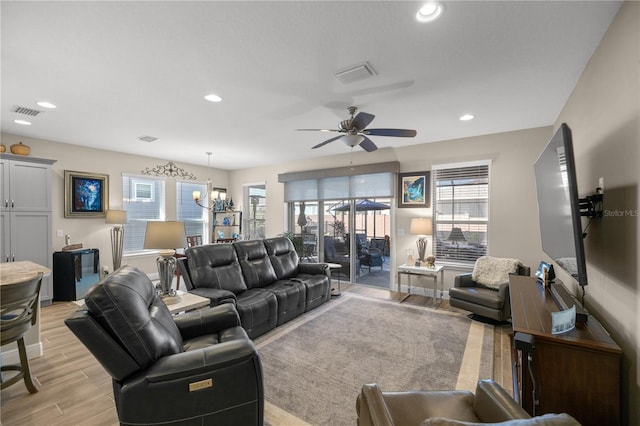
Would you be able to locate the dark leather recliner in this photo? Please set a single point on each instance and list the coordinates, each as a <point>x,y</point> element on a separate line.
<point>481,300</point>
<point>197,368</point>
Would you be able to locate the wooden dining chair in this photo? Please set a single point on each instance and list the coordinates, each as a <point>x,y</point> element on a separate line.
<point>18,313</point>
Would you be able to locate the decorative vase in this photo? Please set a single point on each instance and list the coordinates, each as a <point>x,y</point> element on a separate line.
<point>3,148</point>
<point>20,149</point>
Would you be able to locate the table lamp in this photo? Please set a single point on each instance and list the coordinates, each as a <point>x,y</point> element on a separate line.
<point>422,227</point>
<point>118,218</point>
<point>166,236</point>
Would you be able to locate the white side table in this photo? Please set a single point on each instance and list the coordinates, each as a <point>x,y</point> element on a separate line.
<point>335,266</point>
<point>422,271</point>
<point>189,302</point>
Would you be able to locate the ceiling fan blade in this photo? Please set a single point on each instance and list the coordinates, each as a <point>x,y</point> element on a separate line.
<point>318,130</point>
<point>368,145</point>
<point>326,142</point>
<point>362,120</point>
<point>399,133</point>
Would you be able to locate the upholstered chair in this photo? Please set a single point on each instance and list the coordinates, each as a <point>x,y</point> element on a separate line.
<point>196,368</point>
<point>485,291</point>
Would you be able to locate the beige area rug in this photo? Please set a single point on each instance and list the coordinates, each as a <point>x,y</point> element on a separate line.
<point>315,366</point>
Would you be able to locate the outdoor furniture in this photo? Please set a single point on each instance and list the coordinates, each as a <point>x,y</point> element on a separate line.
<point>333,255</point>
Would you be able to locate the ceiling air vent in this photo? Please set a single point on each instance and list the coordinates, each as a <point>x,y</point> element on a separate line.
<point>26,111</point>
<point>147,139</point>
<point>355,73</point>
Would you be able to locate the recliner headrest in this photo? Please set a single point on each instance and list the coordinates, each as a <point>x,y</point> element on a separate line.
<point>127,307</point>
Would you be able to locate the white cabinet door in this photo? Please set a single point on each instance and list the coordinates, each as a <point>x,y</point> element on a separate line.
<point>30,186</point>
<point>31,240</point>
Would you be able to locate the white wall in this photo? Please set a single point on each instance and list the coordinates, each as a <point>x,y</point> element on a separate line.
<point>94,232</point>
<point>604,115</point>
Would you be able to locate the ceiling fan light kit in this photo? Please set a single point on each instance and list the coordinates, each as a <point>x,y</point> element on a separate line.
<point>355,131</point>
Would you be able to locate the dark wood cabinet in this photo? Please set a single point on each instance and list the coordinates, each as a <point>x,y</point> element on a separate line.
<point>577,372</point>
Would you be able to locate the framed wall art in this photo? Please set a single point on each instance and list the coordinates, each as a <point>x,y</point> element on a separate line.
<point>414,189</point>
<point>85,194</point>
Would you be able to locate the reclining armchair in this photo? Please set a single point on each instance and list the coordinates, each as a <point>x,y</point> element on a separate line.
<point>490,404</point>
<point>196,368</point>
<point>485,291</point>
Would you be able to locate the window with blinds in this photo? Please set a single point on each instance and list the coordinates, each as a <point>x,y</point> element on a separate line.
<point>461,211</point>
<point>143,199</point>
<point>195,218</point>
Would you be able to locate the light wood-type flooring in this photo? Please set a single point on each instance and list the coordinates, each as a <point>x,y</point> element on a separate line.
<point>75,389</point>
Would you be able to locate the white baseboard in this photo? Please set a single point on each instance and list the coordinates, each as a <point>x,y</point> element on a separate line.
<point>11,356</point>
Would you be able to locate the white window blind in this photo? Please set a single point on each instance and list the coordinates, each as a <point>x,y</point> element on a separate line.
<point>143,199</point>
<point>374,185</point>
<point>195,218</point>
<point>461,211</point>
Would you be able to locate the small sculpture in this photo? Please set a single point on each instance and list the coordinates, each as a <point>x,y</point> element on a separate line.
<point>431,261</point>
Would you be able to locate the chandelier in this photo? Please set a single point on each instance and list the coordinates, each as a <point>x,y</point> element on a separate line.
<point>217,197</point>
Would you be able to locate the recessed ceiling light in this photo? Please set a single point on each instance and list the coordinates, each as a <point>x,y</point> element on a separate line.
<point>213,98</point>
<point>23,122</point>
<point>45,104</point>
<point>430,11</point>
<point>467,117</point>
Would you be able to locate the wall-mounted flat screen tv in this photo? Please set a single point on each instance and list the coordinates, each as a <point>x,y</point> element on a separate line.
<point>559,205</point>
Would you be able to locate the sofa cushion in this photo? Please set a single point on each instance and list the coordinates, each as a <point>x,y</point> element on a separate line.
<point>494,271</point>
<point>128,308</point>
<point>215,266</point>
<point>544,420</point>
<point>255,263</point>
<point>284,258</point>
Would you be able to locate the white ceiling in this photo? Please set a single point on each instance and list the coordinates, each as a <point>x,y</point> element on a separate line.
<point>120,70</point>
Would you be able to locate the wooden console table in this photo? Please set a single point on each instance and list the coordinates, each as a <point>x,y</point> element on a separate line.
<point>577,372</point>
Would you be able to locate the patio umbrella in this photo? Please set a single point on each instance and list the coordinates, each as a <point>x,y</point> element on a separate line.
<point>365,205</point>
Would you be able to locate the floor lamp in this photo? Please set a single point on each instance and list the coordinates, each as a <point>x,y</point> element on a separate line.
<point>421,226</point>
<point>117,218</point>
<point>166,236</point>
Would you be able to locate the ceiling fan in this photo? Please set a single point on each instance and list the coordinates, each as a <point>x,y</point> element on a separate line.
<point>355,131</point>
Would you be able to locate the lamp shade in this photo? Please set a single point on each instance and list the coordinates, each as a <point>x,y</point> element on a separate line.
<point>456,235</point>
<point>116,217</point>
<point>165,235</point>
<point>421,226</point>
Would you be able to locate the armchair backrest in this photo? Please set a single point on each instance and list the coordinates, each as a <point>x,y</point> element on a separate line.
<point>255,263</point>
<point>215,266</point>
<point>126,325</point>
<point>283,256</point>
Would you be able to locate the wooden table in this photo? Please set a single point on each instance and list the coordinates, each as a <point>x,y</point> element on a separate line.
<point>422,271</point>
<point>14,272</point>
<point>577,372</point>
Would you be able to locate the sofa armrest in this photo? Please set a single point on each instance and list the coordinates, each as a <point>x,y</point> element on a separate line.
<point>313,268</point>
<point>464,280</point>
<point>217,296</point>
<point>207,321</point>
<point>371,407</point>
<point>185,365</point>
<point>492,404</point>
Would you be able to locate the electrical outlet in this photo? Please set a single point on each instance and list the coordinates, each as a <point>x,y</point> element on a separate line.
<point>60,233</point>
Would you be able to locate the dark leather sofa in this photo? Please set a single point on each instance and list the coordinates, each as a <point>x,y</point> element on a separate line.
<point>263,278</point>
<point>197,368</point>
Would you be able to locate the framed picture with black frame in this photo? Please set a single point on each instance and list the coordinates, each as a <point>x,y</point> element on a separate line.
<point>85,194</point>
<point>414,189</point>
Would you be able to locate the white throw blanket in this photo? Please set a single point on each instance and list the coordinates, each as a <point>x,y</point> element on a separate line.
<point>494,271</point>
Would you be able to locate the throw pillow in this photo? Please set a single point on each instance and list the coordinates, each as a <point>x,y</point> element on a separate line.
<point>494,271</point>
